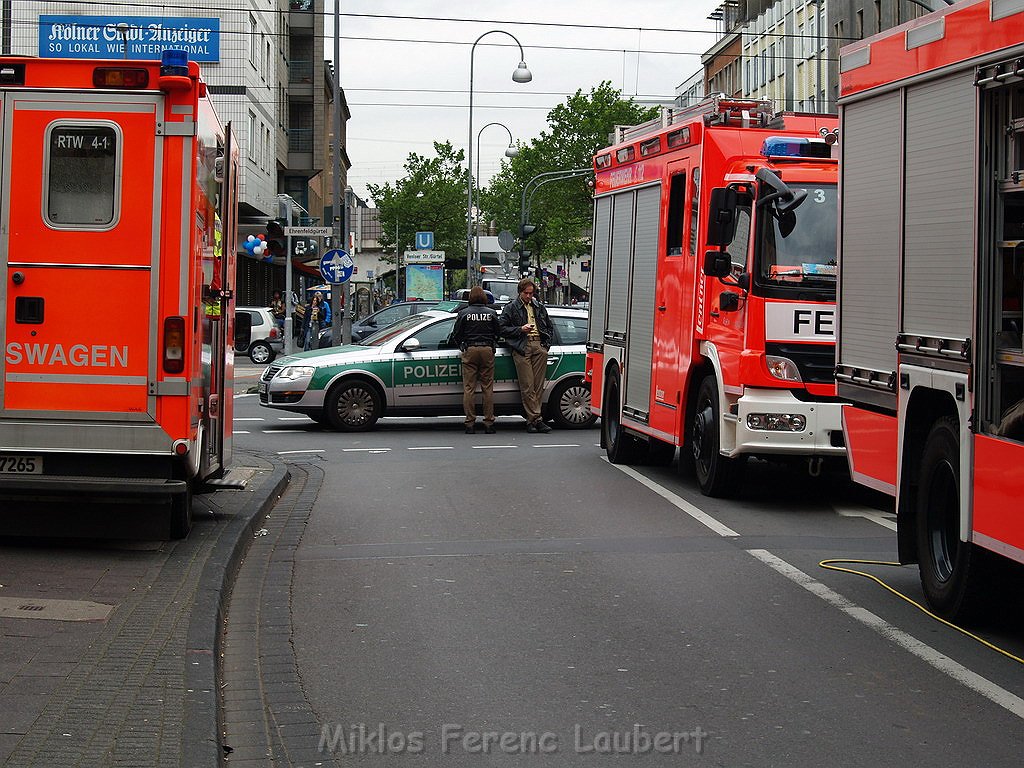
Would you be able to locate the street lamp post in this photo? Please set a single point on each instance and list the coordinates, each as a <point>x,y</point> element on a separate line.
<point>522,74</point>
<point>510,151</point>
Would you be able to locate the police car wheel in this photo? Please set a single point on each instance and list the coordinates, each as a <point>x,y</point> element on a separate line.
<point>261,353</point>
<point>569,405</point>
<point>353,406</point>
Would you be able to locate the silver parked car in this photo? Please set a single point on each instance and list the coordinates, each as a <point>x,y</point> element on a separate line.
<point>257,335</point>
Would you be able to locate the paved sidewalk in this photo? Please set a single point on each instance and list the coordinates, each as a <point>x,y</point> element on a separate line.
<point>108,649</point>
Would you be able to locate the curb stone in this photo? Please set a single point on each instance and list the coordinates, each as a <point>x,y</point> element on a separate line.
<point>200,744</point>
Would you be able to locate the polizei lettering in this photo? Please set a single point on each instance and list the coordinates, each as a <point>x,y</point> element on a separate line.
<point>76,355</point>
<point>432,371</point>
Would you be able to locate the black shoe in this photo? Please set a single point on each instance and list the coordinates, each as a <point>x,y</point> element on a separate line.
<point>488,429</point>
<point>471,429</point>
<point>542,427</point>
<point>531,428</point>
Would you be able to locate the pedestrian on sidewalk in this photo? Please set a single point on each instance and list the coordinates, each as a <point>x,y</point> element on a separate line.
<point>476,334</point>
<point>527,329</point>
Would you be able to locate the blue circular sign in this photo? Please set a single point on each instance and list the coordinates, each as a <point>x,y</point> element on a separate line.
<point>336,266</point>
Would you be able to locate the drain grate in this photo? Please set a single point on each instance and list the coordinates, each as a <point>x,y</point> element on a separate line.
<point>55,610</point>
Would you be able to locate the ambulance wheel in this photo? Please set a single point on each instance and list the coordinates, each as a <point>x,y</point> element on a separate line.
<point>353,406</point>
<point>951,569</point>
<point>715,473</point>
<point>621,448</point>
<point>261,353</point>
<point>569,405</point>
<point>181,514</point>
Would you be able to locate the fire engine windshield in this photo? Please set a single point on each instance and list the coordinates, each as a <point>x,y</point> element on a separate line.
<point>799,246</point>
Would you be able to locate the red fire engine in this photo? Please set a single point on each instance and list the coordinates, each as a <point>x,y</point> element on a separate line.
<point>118,216</point>
<point>932,272</point>
<point>726,352</point>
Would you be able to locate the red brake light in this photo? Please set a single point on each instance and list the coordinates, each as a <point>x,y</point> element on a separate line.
<point>120,77</point>
<point>174,344</point>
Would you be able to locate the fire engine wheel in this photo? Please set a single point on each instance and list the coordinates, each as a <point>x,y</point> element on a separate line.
<point>950,568</point>
<point>181,514</point>
<point>353,406</point>
<point>261,353</point>
<point>622,448</point>
<point>715,473</point>
<point>569,405</point>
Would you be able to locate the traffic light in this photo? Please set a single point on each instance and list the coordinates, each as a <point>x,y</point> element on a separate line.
<point>275,238</point>
<point>525,230</point>
<point>524,261</point>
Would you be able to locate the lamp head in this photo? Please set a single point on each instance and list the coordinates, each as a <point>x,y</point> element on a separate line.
<point>511,151</point>
<point>522,73</point>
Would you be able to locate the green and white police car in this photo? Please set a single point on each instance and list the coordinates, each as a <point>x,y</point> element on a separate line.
<point>407,369</point>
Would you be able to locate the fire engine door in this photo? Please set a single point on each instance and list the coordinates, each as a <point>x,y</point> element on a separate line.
<point>673,317</point>
<point>79,240</point>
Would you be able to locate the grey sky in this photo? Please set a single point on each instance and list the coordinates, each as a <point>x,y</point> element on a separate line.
<point>431,78</point>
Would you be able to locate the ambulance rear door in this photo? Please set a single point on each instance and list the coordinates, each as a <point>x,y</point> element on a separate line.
<point>79,243</point>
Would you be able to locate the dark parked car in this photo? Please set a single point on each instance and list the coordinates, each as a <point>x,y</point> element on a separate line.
<point>382,318</point>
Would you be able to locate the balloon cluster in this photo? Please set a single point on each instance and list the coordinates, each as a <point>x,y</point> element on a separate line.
<point>257,246</point>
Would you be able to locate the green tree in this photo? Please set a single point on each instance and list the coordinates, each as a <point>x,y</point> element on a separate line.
<point>431,197</point>
<point>562,210</point>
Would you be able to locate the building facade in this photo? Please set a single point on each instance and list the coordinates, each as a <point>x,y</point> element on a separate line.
<point>788,50</point>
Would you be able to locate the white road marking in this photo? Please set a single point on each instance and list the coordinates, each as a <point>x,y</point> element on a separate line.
<point>294,418</point>
<point>248,418</point>
<point>240,432</point>
<point>430,448</point>
<point>365,450</point>
<point>884,519</point>
<point>311,450</point>
<point>926,653</point>
<point>244,394</point>
<point>700,516</point>
<point>558,445</point>
<point>484,447</point>
<point>284,432</point>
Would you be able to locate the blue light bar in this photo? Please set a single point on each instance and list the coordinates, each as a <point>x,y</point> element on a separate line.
<point>174,61</point>
<point>793,146</point>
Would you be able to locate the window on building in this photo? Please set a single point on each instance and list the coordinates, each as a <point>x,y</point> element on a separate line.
<point>82,188</point>
<point>858,25</point>
<point>878,17</point>
<point>266,150</point>
<point>254,41</point>
<point>268,73</point>
<point>253,136</point>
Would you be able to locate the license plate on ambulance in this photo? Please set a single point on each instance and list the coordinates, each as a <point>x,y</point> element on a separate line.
<point>21,465</point>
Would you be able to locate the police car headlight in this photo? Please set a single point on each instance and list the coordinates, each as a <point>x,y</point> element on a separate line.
<point>783,368</point>
<point>293,372</point>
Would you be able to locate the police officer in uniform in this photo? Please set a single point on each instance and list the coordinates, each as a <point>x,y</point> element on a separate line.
<point>476,334</point>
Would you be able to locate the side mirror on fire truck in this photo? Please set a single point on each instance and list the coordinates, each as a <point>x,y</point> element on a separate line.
<point>717,264</point>
<point>722,216</point>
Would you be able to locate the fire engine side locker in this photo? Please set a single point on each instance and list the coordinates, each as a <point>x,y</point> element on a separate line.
<point>77,377</point>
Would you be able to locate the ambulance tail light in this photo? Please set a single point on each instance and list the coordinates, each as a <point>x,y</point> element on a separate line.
<point>120,77</point>
<point>174,344</point>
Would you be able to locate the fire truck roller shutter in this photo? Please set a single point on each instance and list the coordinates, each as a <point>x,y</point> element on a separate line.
<point>618,266</point>
<point>640,350</point>
<point>599,270</point>
<point>871,234</point>
<point>939,230</point>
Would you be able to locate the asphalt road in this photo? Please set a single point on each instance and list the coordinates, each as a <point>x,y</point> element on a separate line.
<point>502,599</point>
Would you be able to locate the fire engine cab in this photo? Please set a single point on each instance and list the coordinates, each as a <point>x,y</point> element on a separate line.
<point>713,287</point>
<point>932,277</point>
<point>117,221</point>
